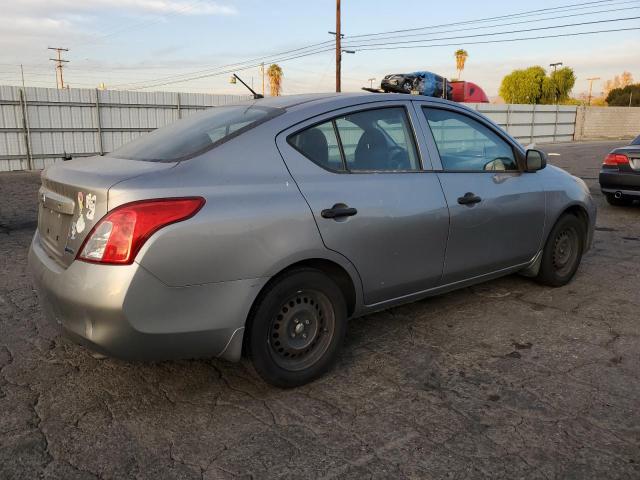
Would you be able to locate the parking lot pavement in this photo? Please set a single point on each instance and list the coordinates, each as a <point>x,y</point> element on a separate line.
<point>507,379</point>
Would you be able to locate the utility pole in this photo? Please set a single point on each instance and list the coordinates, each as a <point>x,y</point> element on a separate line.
<point>591,80</point>
<point>59,64</point>
<point>338,48</point>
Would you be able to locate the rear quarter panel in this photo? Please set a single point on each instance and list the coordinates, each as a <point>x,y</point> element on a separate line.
<point>254,224</point>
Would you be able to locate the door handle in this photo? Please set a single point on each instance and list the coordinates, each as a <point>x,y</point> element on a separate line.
<point>469,198</point>
<point>338,211</point>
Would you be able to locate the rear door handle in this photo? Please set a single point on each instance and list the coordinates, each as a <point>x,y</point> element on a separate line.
<point>469,198</point>
<point>338,211</point>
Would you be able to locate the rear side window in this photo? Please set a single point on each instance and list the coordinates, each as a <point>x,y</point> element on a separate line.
<point>196,134</point>
<point>320,145</point>
<point>378,140</point>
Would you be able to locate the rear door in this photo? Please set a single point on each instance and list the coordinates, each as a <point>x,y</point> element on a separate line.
<point>497,210</point>
<point>361,172</point>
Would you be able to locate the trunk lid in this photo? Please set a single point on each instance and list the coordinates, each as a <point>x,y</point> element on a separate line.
<point>633,153</point>
<point>74,197</point>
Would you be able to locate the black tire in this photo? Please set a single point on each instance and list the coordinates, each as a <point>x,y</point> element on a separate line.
<point>618,202</point>
<point>296,328</point>
<point>562,252</point>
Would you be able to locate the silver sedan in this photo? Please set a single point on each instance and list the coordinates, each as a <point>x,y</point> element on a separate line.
<point>261,228</point>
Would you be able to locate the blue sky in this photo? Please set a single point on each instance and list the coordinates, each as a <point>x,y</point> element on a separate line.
<point>125,41</point>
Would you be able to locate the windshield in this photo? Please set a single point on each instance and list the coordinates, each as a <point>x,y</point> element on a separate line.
<point>196,134</point>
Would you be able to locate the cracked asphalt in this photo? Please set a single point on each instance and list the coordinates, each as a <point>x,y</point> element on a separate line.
<point>507,379</point>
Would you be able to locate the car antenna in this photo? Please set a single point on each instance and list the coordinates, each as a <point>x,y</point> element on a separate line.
<point>255,95</point>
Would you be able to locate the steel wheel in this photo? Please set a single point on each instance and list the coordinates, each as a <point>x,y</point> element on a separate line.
<point>301,332</point>
<point>562,251</point>
<point>565,251</point>
<point>296,327</point>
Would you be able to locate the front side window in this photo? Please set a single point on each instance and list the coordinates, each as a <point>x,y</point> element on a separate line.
<point>379,140</point>
<point>465,144</point>
<point>195,134</point>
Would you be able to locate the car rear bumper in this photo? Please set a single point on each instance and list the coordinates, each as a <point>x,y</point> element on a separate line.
<point>627,183</point>
<point>124,311</point>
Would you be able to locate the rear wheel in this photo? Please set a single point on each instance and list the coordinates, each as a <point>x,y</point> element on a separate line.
<point>618,202</point>
<point>562,252</point>
<point>297,328</point>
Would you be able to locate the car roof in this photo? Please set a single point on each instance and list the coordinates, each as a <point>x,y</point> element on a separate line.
<point>291,102</point>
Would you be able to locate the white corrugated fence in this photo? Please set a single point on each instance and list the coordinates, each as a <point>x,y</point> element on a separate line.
<point>39,126</point>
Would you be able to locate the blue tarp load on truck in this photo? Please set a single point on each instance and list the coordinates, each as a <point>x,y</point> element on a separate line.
<point>423,82</point>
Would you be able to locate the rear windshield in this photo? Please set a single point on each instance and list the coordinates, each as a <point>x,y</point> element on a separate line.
<point>196,134</point>
<point>636,141</point>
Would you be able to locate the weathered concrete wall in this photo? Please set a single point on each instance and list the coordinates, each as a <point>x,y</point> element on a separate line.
<point>607,122</point>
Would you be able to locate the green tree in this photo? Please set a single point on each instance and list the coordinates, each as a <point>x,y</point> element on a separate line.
<point>622,97</point>
<point>533,85</point>
<point>558,86</point>
<point>523,86</point>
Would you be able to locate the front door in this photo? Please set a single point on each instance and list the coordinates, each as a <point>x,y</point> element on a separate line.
<point>497,210</point>
<point>361,174</point>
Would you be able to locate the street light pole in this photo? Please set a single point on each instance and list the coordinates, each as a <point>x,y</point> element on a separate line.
<point>555,66</point>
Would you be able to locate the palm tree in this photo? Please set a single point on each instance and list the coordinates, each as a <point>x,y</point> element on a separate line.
<point>274,72</point>
<point>461,57</point>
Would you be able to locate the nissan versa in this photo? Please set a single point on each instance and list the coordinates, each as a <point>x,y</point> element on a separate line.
<point>260,228</point>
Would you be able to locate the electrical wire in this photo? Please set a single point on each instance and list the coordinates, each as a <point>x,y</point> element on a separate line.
<point>465,29</point>
<point>504,40</point>
<point>489,34</point>
<point>570,7</point>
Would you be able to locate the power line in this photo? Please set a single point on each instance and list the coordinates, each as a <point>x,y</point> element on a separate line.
<point>505,24</point>
<point>488,34</point>
<point>180,78</point>
<point>504,40</point>
<point>574,6</point>
<point>224,72</point>
<point>263,58</point>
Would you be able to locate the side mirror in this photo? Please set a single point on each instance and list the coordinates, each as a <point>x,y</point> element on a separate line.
<point>535,160</point>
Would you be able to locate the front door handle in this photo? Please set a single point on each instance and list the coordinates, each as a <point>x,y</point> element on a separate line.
<point>338,211</point>
<point>469,198</point>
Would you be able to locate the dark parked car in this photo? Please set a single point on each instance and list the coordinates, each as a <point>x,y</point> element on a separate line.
<point>620,174</point>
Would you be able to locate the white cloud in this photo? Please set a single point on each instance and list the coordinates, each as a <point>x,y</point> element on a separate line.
<point>61,7</point>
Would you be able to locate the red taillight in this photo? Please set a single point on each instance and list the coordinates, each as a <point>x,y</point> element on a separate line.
<point>615,159</point>
<point>117,238</point>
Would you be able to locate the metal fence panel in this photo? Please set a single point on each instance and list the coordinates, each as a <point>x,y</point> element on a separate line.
<point>40,126</point>
<point>532,123</point>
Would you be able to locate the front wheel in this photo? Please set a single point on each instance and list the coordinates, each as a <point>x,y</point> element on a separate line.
<point>562,252</point>
<point>297,328</point>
